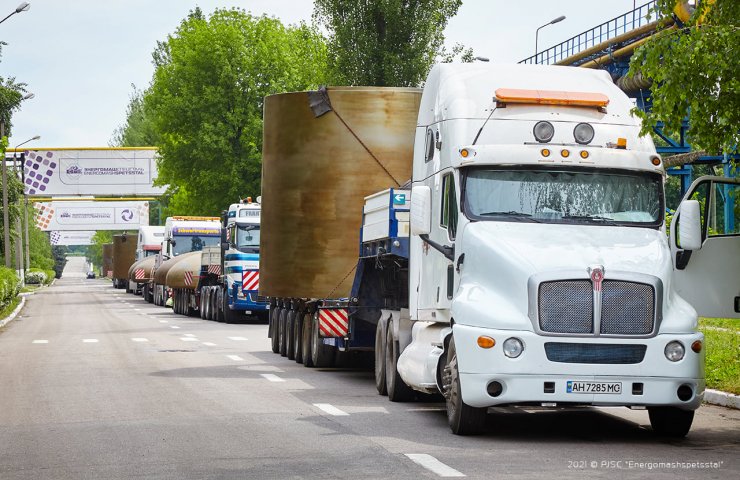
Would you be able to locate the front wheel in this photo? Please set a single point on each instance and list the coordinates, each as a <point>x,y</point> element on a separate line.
<point>463,419</point>
<point>671,421</point>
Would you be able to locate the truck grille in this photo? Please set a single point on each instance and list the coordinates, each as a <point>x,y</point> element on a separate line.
<point>594,353</point>
<point>627,308</point>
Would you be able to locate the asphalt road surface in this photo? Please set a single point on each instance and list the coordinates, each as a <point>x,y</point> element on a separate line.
<point>98,384</point>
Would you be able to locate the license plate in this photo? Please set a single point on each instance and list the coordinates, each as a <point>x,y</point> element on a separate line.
<point>594,387</point>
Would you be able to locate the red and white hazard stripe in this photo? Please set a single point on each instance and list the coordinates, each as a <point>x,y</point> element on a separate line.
<point>250,280</point>
<point>188,278</point>
<point>109,274</point>
<point>214,269</point>
<point>333,322</point>
<point>139,274</point>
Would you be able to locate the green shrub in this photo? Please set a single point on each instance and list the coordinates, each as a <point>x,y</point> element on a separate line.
<point>36,276</point>
<point>50,276</point>
<point>10,285</point>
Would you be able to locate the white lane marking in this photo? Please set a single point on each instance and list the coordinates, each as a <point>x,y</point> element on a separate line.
<point>139,339</point>
<point>271,377</point>
<point>188,339</point>
<point>174,326</point>
<point>40,341</point>
<point>434,465</point>
<point>237,339</point>
<point>188,335</point>
<point>236,358</point>
<point>89,340</point>
<point>164,321</point>
<point>209,344</point>
<point>331,409</point>
<point>137,309</point>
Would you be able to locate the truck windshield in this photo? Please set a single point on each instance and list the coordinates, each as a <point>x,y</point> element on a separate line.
<point>248,238</point>
<point>192,243</point>
<point>600,197</point>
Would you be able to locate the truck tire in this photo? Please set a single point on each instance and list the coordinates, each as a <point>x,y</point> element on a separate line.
<point>200,303</point>
<point>219,304</point>
<point>670,421</point>
<point>229,315</point>
<point>282,321</point>
<point>145,292</point>
<point>398,391</point>
<point>207,303</point>
<point>298,337</point>
<point>306,340</point>
<point>212,297</point>
<point>290,335</point>
<point>322,355</point>
<point>380,334</point>
<point>462,418</point>
<point>274,335</point>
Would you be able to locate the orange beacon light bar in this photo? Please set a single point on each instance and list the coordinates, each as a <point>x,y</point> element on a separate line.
<point>552,97</point>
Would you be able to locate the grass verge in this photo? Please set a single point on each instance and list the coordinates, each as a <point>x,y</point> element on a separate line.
<point>9,308</point>
<point>722,339</point>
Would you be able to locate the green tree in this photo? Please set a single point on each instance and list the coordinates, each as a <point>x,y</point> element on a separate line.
<point>95,250</point>
<point>694,68</point>
<point>138,130</point>
<point>205,101</point>
<point>386,42</point>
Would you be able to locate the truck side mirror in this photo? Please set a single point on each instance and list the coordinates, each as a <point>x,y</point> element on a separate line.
<point>689,225</point>
<point>421,210</point>
<point>224,246</point>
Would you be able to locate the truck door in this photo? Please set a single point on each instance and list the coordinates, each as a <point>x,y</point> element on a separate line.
<point>709,277</point>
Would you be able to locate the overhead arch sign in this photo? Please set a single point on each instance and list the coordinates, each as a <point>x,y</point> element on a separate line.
<point>91,215</point>
<point>89,171</point>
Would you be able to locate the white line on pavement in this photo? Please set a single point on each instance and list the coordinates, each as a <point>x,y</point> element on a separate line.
<point>236,358</point>
<point>174,326</point>
<point>271,377</point>
<point>40,341</point>
<point>139,339</point>
<point>237,339</point>
<point>188,334</point>
<point>164,321</point>
<point>331,409</point>
<point>188,339</point>
<point>434,465</point>
<point>209,344</point>
<point>89,340</point>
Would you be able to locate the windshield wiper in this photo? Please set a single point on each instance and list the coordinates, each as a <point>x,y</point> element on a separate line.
<point>526,217</point>
<point>593,218</point>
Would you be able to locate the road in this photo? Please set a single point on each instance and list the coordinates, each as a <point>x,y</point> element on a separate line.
<point>96,383</point>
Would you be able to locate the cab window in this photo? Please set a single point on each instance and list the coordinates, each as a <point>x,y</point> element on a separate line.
<point>449,206</point>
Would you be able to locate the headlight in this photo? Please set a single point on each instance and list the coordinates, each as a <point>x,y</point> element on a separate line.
<point>583,133</point>
<point>543,131</point>
<point>674,351</point>
<point>513,347</point>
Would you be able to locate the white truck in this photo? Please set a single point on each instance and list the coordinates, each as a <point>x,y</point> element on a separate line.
<point>537,269</point>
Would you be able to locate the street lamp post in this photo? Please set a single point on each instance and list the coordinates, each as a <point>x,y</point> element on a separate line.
<point>25,200</point>
<point>537,33</point>
<point>23,7</point>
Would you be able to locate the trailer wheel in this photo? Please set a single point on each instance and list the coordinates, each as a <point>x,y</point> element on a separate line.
<point>380,334</point>
<point>219,313</point>
<point>398,391</point>
<point>322,355</point>
<point>463,419</point>
<point>670,421</point>
<point>290,334</point>
<point>213,304</point>
<point>298,337</point>
<point>306,340</point>
<point>282,323</point>
<point>273,329</point>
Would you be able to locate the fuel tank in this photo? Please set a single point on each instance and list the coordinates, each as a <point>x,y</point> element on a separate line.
<point>186,272</point>
<point>323,152</point>
<point>160,274</point>
<point>146,264</point>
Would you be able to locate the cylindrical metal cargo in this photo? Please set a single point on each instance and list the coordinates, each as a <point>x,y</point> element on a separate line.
<point>124,254</point>
<point>107,260</point>
<point>316,171</point>
<point>160,275</point>
<point>145,265</point>
<point>185,273</point>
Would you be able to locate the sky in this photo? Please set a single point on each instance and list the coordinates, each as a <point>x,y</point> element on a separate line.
<point>80,57</point>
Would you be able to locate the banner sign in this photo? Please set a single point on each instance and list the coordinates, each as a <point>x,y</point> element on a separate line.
<point>72,238</point>
<point>214,232</point>
<point>104,171</point>
<point>91,215</point>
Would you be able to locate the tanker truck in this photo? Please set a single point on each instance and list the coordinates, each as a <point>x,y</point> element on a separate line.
<point>182,234</point>
<point>229,280</point>
<point>149,244</point>
<point>525,262</point>
<point>140,275</point>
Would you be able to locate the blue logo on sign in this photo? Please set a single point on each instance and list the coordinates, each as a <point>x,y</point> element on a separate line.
<point>399,199</point>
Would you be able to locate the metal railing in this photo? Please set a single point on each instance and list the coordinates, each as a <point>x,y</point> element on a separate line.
<point>636,18</point>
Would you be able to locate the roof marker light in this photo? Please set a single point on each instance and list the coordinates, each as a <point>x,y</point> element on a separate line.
<point>584,154</point>
<point>545,152</point>
<point>655,161</point>
<point>565,153</point>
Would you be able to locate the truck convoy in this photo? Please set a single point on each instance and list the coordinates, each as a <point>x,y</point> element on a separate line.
<point>526,261</point>
<point>148,245</point>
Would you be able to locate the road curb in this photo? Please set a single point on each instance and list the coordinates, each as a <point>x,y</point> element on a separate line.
<point>14,313</point>
<point>724,399</point>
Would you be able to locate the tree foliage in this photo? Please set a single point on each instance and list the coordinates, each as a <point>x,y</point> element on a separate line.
<point>138,130</point>
<point>386,42</point>
<point>204,105</point>
<point>694,69</point>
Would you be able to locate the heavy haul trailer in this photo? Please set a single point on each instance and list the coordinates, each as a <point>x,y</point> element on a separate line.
<point>107,266</point>
<point>124,255</point>
<point>149,244</point>
<point>538,271</point>
<point>229,277</point>
<point>140,275</point>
